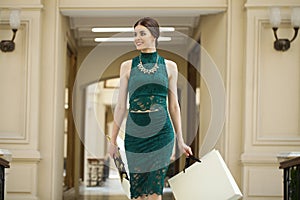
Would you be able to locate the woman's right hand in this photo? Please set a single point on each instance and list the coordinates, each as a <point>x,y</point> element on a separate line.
<point>187,150</point>
<point>112,149</point>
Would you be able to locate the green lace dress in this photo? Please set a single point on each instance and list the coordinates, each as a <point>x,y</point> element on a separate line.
<point>149,137</point>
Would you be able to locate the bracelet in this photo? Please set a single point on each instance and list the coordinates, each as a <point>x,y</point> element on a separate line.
<point>109,139</point>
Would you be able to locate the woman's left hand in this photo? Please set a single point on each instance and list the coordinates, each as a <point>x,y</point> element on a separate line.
<point>186,149</point>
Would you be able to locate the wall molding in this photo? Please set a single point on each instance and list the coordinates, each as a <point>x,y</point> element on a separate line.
<point>264,139</point>
<point>261,137</point>
<point>26,156</point>
<point>22,180</point>
<point>259,159</point>
<point>24,4</point>
<point>29,69</point>
<point>21,134</point>
<point>254,4</point>
<point>253,85</point>
<point>269,186</point>
<point>92,4</point>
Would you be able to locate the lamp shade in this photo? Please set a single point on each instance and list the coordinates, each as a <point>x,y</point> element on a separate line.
<point>275,17</point>
<point>295,17</point>
<point>14,19</point>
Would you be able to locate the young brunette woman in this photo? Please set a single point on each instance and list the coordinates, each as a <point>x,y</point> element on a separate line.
<point>153,116</point>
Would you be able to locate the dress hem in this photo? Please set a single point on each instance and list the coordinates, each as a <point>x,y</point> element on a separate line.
<point>151,193</point>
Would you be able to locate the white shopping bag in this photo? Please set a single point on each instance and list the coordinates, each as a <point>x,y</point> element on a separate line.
<point>208,180</point>
<point>126,187</point>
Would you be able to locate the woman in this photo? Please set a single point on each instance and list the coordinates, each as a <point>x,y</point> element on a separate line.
<point>151,81</point>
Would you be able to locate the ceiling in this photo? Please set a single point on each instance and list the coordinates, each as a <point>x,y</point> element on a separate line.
<point>82,21</point>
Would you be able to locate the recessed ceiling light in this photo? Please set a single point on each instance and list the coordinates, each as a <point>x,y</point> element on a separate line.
<point>127,39</point>
<point>127,29</point>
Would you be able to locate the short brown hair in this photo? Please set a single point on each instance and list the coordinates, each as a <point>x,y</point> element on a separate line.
<point>151,24</point>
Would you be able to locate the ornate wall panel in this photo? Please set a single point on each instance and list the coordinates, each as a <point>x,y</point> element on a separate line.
<point>272,86</point>
<point>20,84</point>
<point>272,102</point>
<point>19,103</point>
<point>24,186</point>
<point>278,89</point>
<point>14,87</point>
<point>264,187</point>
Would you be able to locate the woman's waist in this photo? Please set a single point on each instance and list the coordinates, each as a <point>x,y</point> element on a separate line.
<point>155,115</point>
<point>148,108</point>
<point>147,104</point>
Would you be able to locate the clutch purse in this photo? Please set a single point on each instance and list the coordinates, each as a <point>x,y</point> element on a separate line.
<point>120,165</point>
<point>122,172</point>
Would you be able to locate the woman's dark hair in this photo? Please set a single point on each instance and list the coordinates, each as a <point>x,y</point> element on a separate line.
<point>151,24</point>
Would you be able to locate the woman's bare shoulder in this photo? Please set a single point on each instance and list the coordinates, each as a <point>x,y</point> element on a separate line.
<point>126,66</point>
<point>171,68</point>
<point>171,64</point>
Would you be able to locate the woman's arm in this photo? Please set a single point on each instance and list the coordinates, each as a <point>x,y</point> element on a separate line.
<point>120,108</point>
<point>173,105</point>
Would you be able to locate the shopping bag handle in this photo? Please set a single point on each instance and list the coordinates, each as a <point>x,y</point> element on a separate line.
<point>188,160</point>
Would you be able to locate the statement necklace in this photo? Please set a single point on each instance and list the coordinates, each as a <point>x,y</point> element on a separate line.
<point>147,71</point>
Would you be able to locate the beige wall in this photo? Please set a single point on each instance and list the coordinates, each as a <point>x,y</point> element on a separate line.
<point>212,36</point>
<point>35,83</point>
<point>262,94</point>
<point>52,77</point>
<point>20,94</point>
<point>135,4</point>
<point>271,106</point>
<point>222,37</point>
<point>223,41</point>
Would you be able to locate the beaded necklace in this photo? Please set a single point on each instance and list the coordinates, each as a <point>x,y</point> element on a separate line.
<point>148,71</point>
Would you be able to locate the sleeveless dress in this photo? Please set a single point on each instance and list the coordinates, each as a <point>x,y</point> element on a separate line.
<point>149,134</point>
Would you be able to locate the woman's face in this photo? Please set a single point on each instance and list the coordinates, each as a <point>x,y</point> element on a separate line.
<point>143,39</point>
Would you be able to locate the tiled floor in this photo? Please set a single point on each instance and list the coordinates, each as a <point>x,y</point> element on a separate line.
<point>111,190</point>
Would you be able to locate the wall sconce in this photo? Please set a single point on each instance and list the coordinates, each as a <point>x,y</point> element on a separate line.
<point>14,21</point>
<point>275,20</point>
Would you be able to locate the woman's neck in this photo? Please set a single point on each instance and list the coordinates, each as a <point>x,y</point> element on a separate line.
<point>149,50</point>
